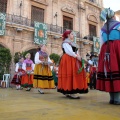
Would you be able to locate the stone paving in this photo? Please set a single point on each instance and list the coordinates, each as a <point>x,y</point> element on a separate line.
<point>23,105</point>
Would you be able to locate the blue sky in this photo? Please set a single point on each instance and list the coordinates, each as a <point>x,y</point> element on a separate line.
<point>113,4</point>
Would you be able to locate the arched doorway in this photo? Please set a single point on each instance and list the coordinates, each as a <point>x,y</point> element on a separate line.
<point>1,46</point>
<point>32,52</point>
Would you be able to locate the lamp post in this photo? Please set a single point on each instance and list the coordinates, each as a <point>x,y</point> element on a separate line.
<point>56,18</point>
<point>20,7</point>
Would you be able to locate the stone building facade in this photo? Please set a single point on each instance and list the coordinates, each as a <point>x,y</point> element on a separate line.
<point>81,16</point>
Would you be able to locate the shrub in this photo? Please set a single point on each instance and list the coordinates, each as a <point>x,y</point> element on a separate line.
<point>5,60</point>
<point>55,57</point>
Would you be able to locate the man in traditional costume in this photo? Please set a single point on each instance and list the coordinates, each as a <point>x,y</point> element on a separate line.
<point>93,71</point>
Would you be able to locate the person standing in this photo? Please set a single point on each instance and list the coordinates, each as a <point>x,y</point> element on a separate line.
<point>43,78</point>
<point>93,71</point>
<point>70,81</point>
<point>19,72</point>
<point>108,78</point>
<point>27,80</point>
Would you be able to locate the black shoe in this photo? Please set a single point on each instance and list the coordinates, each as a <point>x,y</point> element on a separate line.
<point>41,92</point>
<point>28,89</point>
<point>111,101</point>
<point>68,95</point>
<point>116,102</point>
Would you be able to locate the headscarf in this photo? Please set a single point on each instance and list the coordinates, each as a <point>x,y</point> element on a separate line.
<point>107,13</point>
<point>65,34</point>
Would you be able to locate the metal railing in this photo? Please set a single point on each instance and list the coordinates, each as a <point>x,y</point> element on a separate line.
<point>88,37</point>
<point>27,22</point>
<point>18,20</point>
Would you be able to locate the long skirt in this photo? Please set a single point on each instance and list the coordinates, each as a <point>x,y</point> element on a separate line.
<point>27,79</point>
<point>43,77</point>
<point>16,80</point>
<point>108,78</point>
<point>69,80</point>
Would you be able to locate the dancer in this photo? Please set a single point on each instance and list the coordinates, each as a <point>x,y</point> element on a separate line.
<point>108,79</point>
<point>27,80</point>
<point>19,72</point>
<point>43,78</point>
<point>93,71</point>
<point>70,79</point>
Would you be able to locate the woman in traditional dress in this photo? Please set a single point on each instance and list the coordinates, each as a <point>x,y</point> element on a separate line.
<point>27,80</point>
<point>43,78</point>
<point>108,78</point>
<point>19,72</point>
<point>70,80</point>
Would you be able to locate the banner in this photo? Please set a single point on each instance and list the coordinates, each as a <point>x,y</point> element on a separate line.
<point>40,35</point>
<point>2,24</point>
<point>96,44</point>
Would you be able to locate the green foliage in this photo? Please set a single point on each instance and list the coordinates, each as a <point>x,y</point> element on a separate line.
<point>55,57</point>
<point>18,55</point>
<point>5,60</point>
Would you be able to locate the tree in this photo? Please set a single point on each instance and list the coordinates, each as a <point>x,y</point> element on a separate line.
<point>18,55</point>
<point>55,57</point>
<point>5,60</point>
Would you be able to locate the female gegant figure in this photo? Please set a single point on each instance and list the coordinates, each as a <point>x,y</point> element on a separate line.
<point>108,78</point>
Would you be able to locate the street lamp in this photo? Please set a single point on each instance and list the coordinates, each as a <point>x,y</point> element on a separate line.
<point>56,17</point>
<point>20,8</point>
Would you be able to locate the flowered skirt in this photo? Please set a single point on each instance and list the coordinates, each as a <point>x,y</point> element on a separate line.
<point>43,77</point>
<point>69,80</point>
<point>108,78</point>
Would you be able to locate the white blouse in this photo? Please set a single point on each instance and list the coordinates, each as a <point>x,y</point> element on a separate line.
<point>68,50</point>
<point>24,66</point>
<point>37,61</point>
<point>17,67</point>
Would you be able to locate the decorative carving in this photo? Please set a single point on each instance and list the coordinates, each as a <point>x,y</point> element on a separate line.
<point>68,9</point>
<point>92,18</point>
<point>41,1</point>
<point>55,1</point>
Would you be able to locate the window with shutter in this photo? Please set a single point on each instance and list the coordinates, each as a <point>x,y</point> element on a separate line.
<point>67,23</point>
<point>92,30</point>
<point>3,6</point>
<point>37,14</point>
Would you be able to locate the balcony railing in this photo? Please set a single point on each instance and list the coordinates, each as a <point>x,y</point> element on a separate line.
<point>89,37</point>
<point>27,22</point>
